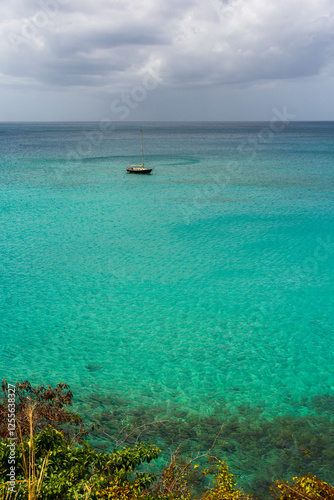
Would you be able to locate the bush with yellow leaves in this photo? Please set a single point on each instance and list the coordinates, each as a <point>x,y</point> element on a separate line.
<point>307,487</point>
<point>224,484</point>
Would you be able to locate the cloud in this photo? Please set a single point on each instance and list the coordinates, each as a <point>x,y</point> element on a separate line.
<point>252,40</point>
<point>107,45</point>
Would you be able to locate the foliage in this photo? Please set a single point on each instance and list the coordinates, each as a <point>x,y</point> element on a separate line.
<point>73,469</point>
<point>52,463</point>
<point>65,470</point>
<point>307,487</point>
<point>266,447</point>
<point>50,408</point>
<point>224,484</point>
<point>174,480</point>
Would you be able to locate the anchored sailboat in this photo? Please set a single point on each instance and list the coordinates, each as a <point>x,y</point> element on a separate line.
<point>139,169</point>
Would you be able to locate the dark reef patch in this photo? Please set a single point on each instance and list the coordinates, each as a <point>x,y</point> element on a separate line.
<point>93,368</point>
<point>257,449</point>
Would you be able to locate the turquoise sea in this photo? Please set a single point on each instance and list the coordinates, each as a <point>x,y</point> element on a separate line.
<point>202,294</point>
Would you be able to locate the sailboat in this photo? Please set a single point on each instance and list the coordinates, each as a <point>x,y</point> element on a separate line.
<point>139,169</point>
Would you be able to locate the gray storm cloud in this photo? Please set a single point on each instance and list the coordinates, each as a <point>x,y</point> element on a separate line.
<point>106,47</point>
<point>65,42</point>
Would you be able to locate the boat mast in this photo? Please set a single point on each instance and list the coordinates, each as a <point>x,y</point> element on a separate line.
<point>142,149</point>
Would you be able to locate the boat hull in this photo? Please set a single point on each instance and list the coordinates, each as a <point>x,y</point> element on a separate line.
<point>139,170</point>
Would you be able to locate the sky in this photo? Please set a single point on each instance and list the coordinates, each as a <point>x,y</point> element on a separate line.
<point>157,60</point>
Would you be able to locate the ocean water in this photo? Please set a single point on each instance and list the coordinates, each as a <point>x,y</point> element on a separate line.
<point>203,292</point>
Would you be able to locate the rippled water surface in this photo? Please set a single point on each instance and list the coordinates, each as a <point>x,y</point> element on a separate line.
<point>203,292</point>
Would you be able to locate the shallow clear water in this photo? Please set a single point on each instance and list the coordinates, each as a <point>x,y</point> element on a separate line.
<point>209,282</point>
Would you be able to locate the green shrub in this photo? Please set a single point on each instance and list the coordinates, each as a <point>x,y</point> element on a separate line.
<point>72,470</point>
